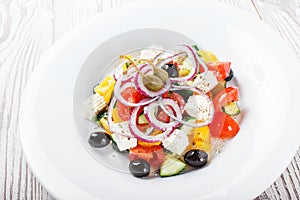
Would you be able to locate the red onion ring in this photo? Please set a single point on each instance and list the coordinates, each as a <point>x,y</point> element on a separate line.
<point>168,59</point>
<point>197,125</point>
<point>145,137</point>
<point>150,115</point>
<point>118,92</point>
<point>194,65</point>
<point>112,126</point>
<point>143,90</point>
<point>118,72</point>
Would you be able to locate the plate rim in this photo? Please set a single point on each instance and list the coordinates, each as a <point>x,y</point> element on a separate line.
<point>39,69</point>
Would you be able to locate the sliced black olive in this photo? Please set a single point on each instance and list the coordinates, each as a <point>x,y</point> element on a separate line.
<point>172,70</point>
<point>139,168</point>
<point>196,158</point>
<point>230,76</point>
<point>99,139</point>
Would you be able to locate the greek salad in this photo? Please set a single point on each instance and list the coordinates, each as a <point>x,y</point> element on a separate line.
<point>166,109</point>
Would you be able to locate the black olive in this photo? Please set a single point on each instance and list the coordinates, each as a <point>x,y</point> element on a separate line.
<point>99,139</point>
<point>171,69</point>
<point>101,114</point>
<point>196,158</point>
<point>94,89</point>
<point>139,168</point>
<point>230,76</point>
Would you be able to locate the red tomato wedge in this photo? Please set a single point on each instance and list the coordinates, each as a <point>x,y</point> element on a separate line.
<point>163,117</point>
<point>225,96</point>
<point>220,69</point>
<point>178,99</point>
<point>131,95</point>
<point>152,154</point>
<point>223,126</point>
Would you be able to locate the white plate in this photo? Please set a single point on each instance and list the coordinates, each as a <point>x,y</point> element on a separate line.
<point>266,70</point>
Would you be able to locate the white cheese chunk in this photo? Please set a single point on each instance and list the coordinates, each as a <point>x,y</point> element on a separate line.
<point>176,142</point>
<point>125,141</point>
<point>123,127</point>
<point>199,107</point>
<point>207,81</point>
<point>92,106</point>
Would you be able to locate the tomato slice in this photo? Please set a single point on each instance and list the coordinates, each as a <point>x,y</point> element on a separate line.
<point>152,154</point>
<point>130,94</point>
<point>166,95</point>
<point>220,69</point>
<point>223,126</point>
<point>225,96</point>
<point>178,99</point>
<point>163,117</point>
<point>123,111</point>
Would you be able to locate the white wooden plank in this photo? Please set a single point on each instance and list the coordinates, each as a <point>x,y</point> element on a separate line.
<point>279,15</point>
<point>70,13</point>
<point>244,5</point>
<point>25,34</point>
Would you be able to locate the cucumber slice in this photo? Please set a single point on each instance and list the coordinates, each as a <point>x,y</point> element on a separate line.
<point>142,119</point>
<point>232,109</point>
<point>171,167</point>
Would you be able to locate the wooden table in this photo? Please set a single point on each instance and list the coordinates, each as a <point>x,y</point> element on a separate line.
<point>28,28</point>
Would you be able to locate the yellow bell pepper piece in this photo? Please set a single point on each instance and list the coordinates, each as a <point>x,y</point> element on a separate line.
<point>148,144</point>
<point>106,88</point>
<point>207,56</point>
<point>125,66</point>
<point>183,72</point>
<point>104,124</point>
<point>116,117</point>
<point>201,138</point>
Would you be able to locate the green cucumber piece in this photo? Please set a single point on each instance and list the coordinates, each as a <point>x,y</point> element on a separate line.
<point>171,167</point>
<point>231,109</point>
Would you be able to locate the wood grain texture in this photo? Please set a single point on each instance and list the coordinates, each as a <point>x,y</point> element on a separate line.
<point>28,28</point>
<point>25,34</point>
<point>282,17</point>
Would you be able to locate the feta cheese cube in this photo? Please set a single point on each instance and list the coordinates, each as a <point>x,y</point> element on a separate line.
<point>176,142</point>
<point>199,107</point>
<point>93,105</point>
<point>207,81</point>
<point>125,141</point>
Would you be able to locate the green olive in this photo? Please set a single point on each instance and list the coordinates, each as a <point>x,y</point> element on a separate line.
<point>160,73</point>
<point>153,83</point>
